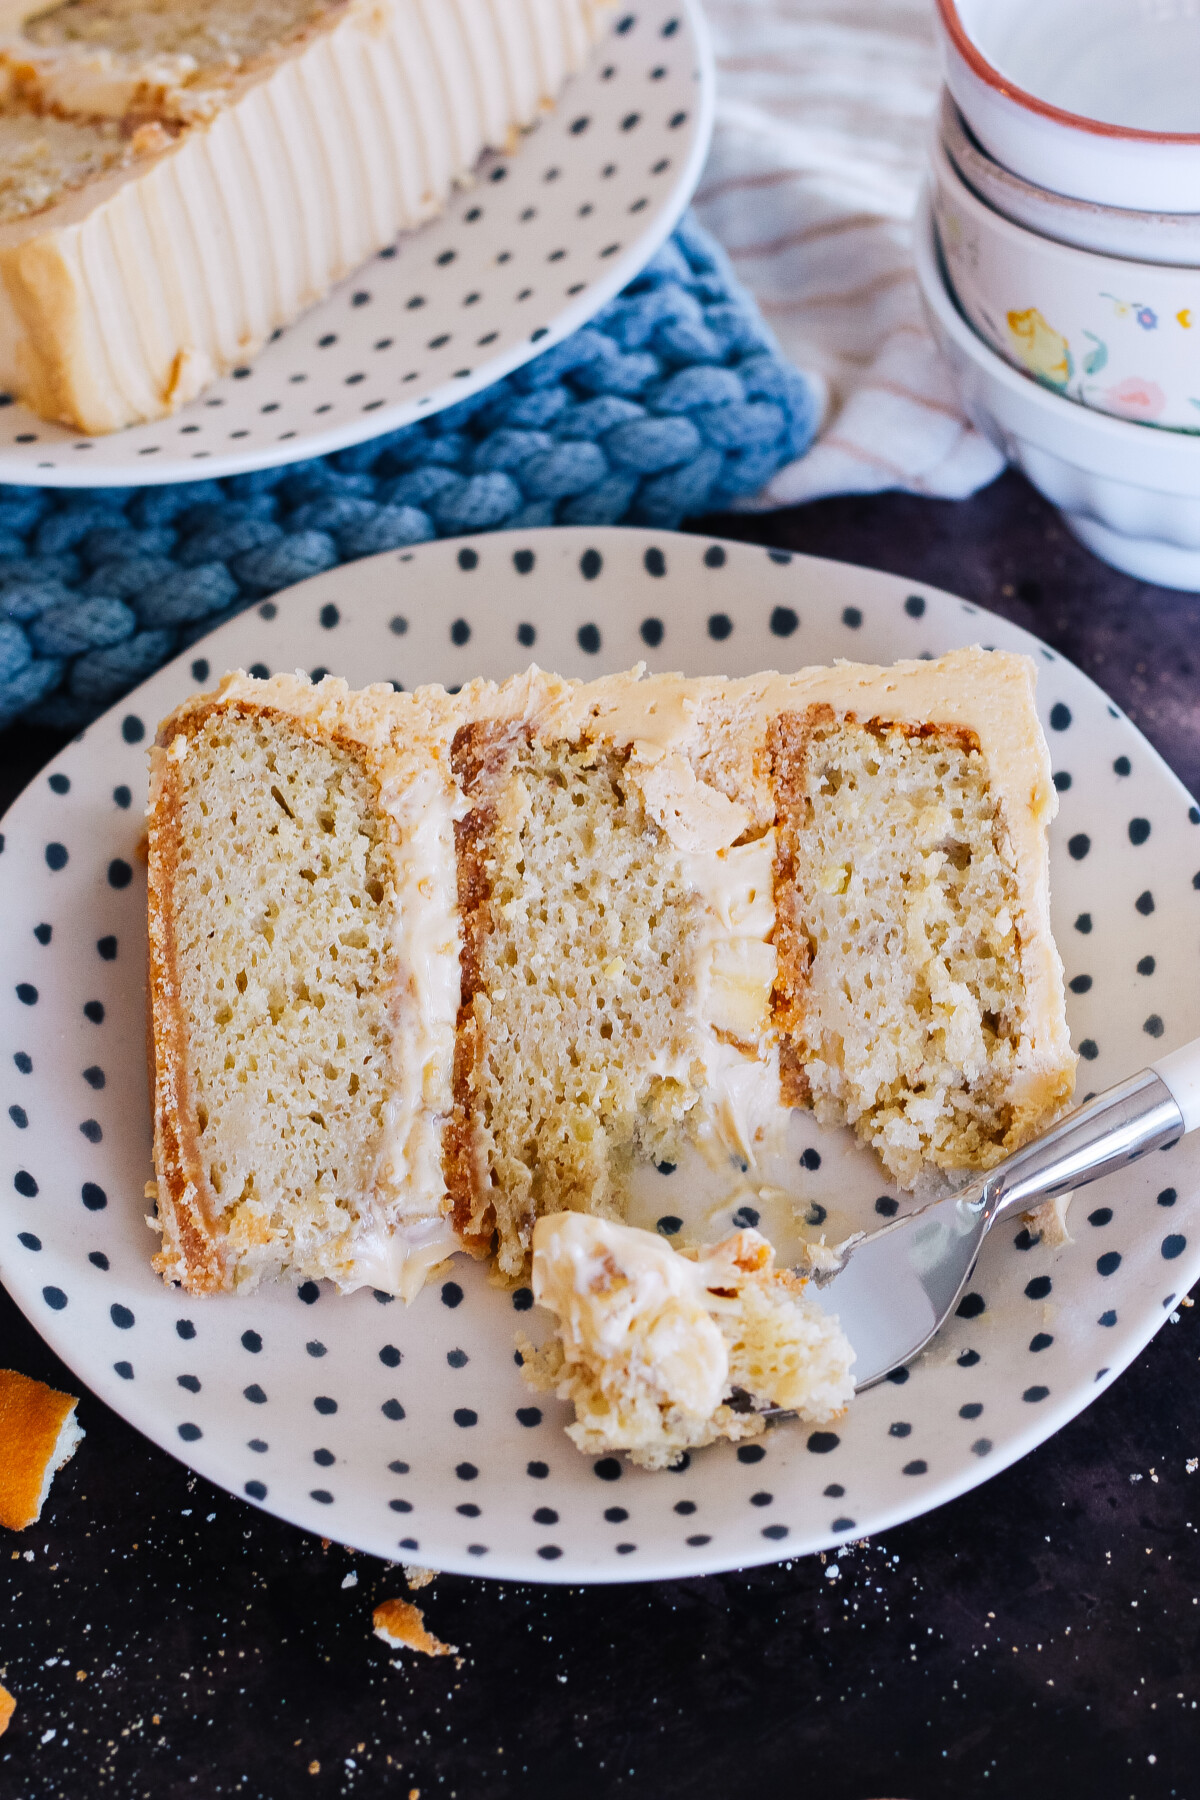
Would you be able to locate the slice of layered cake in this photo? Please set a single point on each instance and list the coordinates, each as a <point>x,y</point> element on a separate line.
<point>663,1351</point>
<point>179,178</point>
<point>427,968</point>
<point>304,980</point>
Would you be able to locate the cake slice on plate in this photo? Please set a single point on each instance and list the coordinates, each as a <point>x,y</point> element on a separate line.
<point>427,968</point>
<point>180,179</point>
<point>304,981</point>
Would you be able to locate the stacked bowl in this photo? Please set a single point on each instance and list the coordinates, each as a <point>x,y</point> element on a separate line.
<point>1058,249</point>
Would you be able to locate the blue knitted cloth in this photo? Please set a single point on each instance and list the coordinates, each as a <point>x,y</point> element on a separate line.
<point>673,401</point>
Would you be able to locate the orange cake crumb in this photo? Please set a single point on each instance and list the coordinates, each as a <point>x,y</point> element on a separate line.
<point>38,1434</point>
<point>402,1625</point>
<point>8,1707</point>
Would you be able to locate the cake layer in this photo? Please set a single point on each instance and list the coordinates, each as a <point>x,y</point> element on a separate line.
<point>900,995</point>
<point>41,156</point>
<point>250,178</point>
<point>214,35</point>
<point>577,1044</point>
<point>612,918</point>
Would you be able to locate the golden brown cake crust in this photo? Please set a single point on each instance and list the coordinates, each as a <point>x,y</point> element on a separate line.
<point>191,1253</point>
<point>32,1417</point>
<point>399,1622</point>
<point>481,756</point>
<point>787,741</point>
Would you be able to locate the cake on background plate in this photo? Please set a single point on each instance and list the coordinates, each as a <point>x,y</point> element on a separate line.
<point>179,179</point>
<point>427,968</point>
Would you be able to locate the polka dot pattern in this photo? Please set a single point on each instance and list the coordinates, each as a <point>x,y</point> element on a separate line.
<point>410,1430</point>
<point>522,256</point>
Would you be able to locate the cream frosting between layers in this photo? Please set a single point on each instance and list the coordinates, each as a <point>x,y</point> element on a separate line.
<point>408,1232</point>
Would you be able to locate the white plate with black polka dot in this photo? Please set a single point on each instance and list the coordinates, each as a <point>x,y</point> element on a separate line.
<point>540,241</point>
<point>408,1432</point>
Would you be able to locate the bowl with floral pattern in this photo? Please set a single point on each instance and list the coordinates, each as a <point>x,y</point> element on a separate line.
<point>1118,336</point>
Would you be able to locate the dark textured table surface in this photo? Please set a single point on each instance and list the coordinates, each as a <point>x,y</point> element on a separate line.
<point>1041,1635</point>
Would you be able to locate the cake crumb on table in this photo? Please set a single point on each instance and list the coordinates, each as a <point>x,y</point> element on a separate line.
<point>38,1434</point>
<point>402,1625</point>
<point>8,1707</point>
<point>416,1576</point>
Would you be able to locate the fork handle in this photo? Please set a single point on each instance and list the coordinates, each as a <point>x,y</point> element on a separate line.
<point>1113,1130</point>
<point>1181,1072</point>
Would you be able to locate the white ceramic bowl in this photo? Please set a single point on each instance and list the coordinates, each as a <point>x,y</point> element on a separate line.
<point>1119,337</point>
<point>1131,495</point>
<point>1111,230</point>
<point>1098,99</point>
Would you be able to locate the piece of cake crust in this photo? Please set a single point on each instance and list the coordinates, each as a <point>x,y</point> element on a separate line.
<point>402,1626</point>
<point>38,1434</point>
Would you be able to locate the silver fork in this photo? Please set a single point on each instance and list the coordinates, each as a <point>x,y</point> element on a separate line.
<point>894,1288</point>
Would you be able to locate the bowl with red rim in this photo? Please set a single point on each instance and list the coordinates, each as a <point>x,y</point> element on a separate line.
<point>1095,99</point>
<point>1136,236</point>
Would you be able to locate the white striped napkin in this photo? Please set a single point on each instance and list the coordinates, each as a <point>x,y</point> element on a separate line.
<point>823,110</point>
